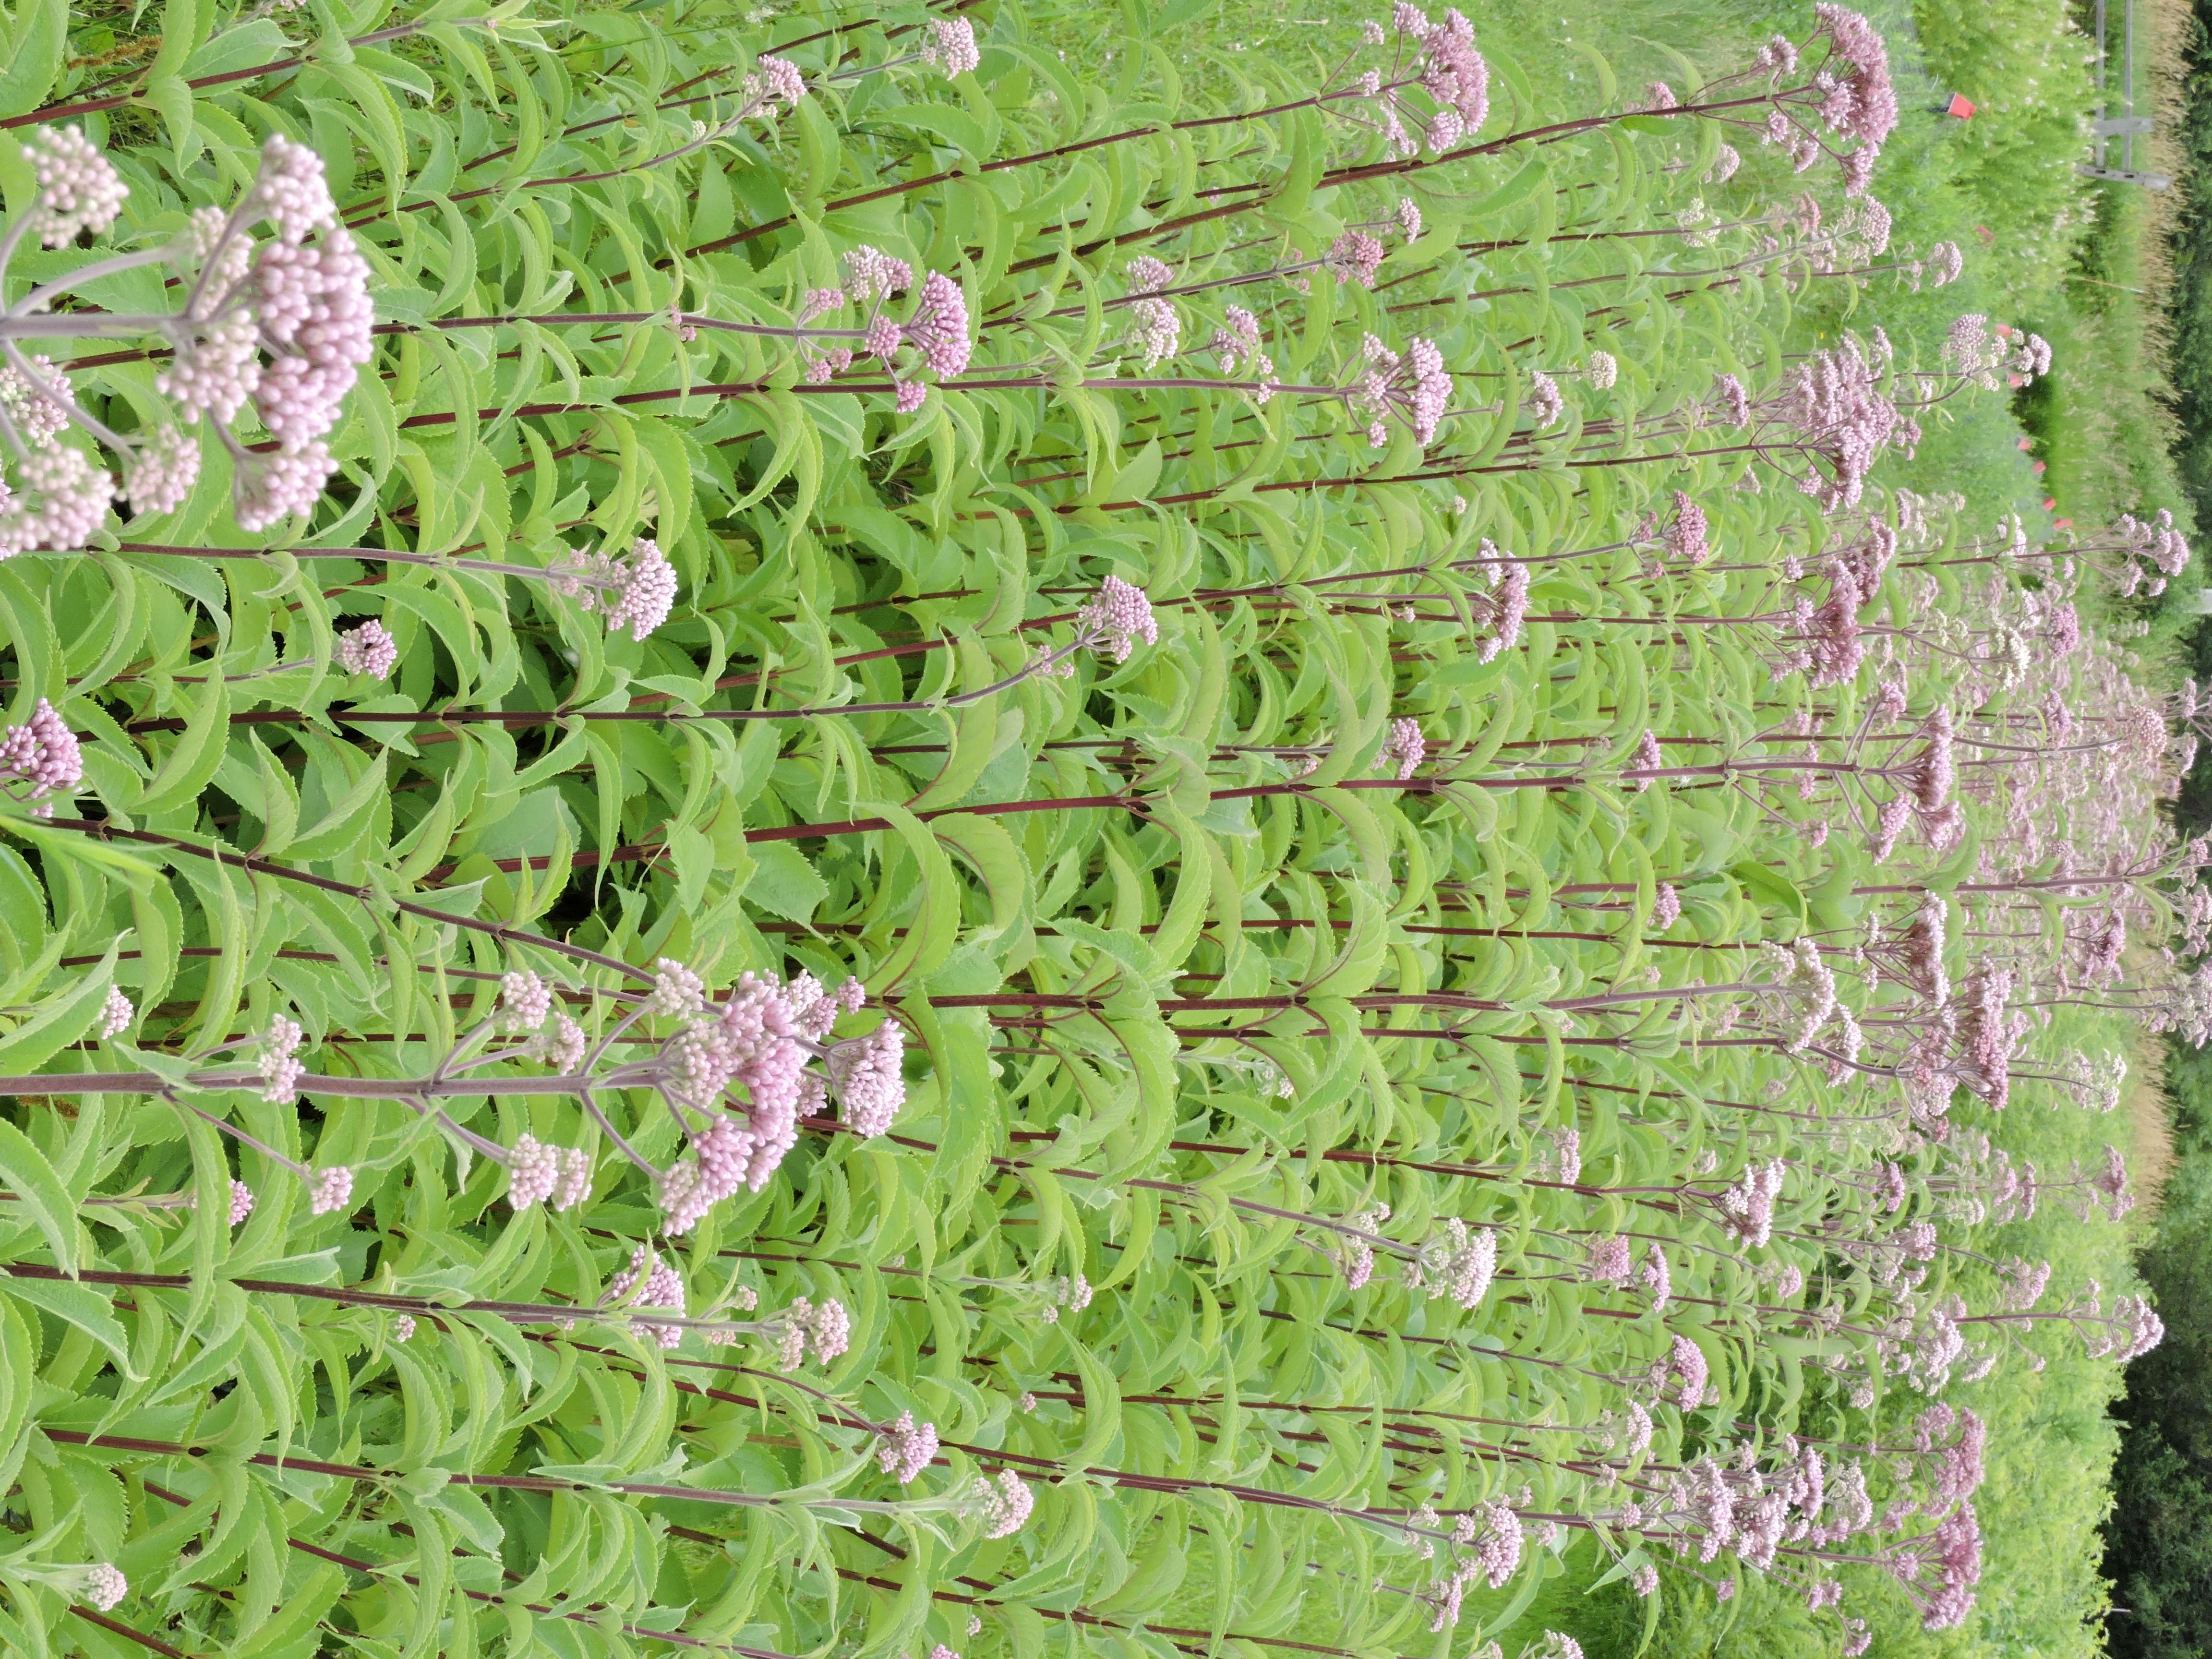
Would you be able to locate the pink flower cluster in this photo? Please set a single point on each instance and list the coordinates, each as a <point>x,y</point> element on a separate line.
<point>2156,544</point>
<point>2026,355</point>
<point>1943,1569</point>
<point>827,1330</point>
<point>1747,1209</point>
<point>1688,532</point>
<point>1451,71</point>
<point>283,323</point>
<point>939,328</point>
<point>1414,387</point>
<point>904,1450</point>
<point>1504,609</point>
<point>1958,1469</point>
<point>24,403</point>
<point>241,1202</point>
<point>1844,417</point>
<point>1734,402</point>
<point>79,189</point>
<point>1542,403</point>
<point>1609,1260</point>
<point>1406,748</point>
<point>1494,1536</point>
<point>1114,620</point>
<point>1829,648</point>
<point>865,1075</point>
<point>276,1065</point>
<point>314,314</point>
<point>368,650</point>
<point>678,992</point>
<point>559,1043</point>
<point>1924,783</point>
<point>1643,761</point>
<point>1147,274</point>
<point>160,469</point>
<point>635,591</point>
<point>2139,1329</point>
<point>1354,257</point>
<point>1860,102</point>
<point>526,1003</point>
<point>1461,1265</point>
<point>656,1285</point>
<point>951,45</point>
<point>760,1043</point>
<point>105,1586</point>
<point>1237,342</point>
<point>938,331</point>
<point>1155,326</point>
<point>64,498</point>
<point>332,1192</point>
<point>870,277</point>
<point>1068,1291</point>
<point>116,1014</point>
<point>558,1177</point>
<point>1682,1373</point>
<point>40,758</point>
<point>1002,1505</point>
<point>773,79</point>
<point>1851,94</point>
<point>1803,992</point>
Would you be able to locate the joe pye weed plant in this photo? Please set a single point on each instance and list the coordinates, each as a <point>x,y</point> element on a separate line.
<point>817,844</point>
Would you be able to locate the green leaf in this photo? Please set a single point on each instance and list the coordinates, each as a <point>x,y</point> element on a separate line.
<point>783,882</point>
<point>26,1173</point>
<point>80,1305</point>
<point>1773,887</point>
<point>189,765</point>
<point>340,829</point>
<point>58,1020</point>
<point>34,56</point>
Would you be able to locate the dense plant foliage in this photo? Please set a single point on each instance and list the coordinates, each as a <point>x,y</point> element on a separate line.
<point>849,844</point>
<point>2192,267</point>
<point>2161,1575</point>
<point>2030,67</point>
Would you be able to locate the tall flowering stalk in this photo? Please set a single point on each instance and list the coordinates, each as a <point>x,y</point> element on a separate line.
<point>936,334</point>
<point>736,1076</point>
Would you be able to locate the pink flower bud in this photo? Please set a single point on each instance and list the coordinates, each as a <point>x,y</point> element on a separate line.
<point>904,1450</point>
<point>1117,618</point>
<point>333,1190</point>
<point>116,1015</point>
<point>79,189</point>
<point>104,1586</point>
<point>951,48</point>
<point>367,650</point>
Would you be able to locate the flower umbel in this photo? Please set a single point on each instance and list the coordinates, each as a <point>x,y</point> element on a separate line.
<point>1118,618</point>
